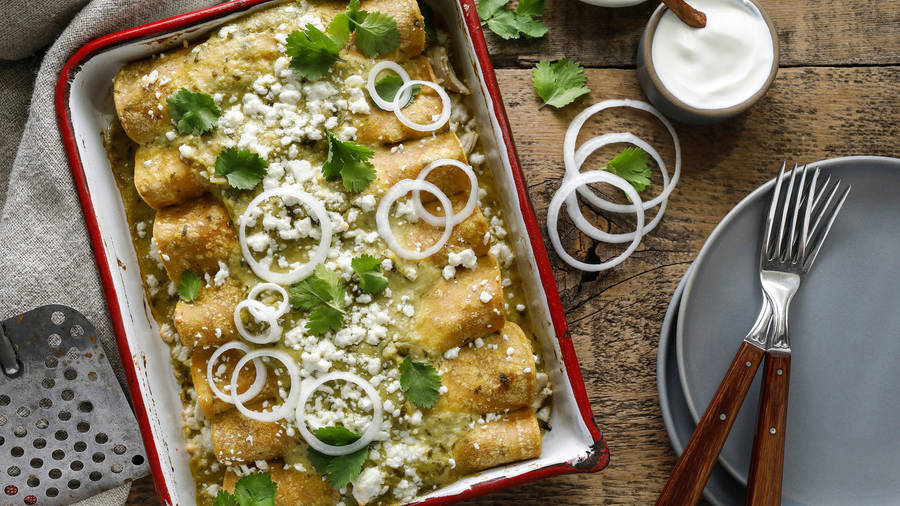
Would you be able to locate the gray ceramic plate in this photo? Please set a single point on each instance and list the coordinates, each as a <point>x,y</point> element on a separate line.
<point>844,407</point>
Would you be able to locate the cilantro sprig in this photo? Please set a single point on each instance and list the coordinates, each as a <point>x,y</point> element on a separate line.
<point>560,83</point>
<point>195,113</point>
<point>513,24</point>
<point>350,162</point>
<point>322,293</point>
<point>631,165</point>
<point>339,470</point>
<point>255,489</point>
<point>420,383</point>
<point>368,268</point>
<point>243,168</point>
<point>313,52</point>
<point>189,286</point>
<point>388,86</point>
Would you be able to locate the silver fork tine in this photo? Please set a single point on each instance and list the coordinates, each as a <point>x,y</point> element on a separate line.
<point>779,249</point>
<point>820,211</point>
<point>770,218</point>
<point>821,239</point>
<point>807,214</point>
<point>802,191</point>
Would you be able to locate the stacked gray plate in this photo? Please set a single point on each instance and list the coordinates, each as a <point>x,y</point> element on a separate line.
<point>844,407</point>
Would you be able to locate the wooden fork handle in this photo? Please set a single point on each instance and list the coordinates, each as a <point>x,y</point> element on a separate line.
<point>696,463</point>
<point>767,460</point>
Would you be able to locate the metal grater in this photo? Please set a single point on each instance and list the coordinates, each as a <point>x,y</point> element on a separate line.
<point>67,431</point>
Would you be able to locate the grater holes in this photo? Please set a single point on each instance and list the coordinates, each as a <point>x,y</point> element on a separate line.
<point>119,449</point>
<point>83,427</point>
<point>137,460</point>
<point>54,340</point>
<point>20,431</point>
<point>30,499</point>
<point>98,457</point>
<point>3,420</point>
<point>17,451</point>
<point>80,446</point>
<point>76,331</point>
<point>58,454</point>
<point>33,481</point>
<point>40,443</point>
<point>73,353</point>
<point>76,465</point>
<point>13,471</point>
<point>36,463</point>
<point>61,435</point>
<point>55,473</point>
<point>95,476</point>
<point>4,400</point>
<point>65,416</point>
<point>85,406</point>
<point>116,468</point>
<point>70,374</point>
<point>101,438</point>
<point>2,440</point>
<point>52,492</point>
<point>51,362</point>
<point>67,395</point>
<point>23,411</point>
<point>73,484</point>
<point>48,383</point>
<point>42,423</point>
<point>57,318</point>
<point>45,403</point>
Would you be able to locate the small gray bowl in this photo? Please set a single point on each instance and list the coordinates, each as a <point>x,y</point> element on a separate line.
<point>674,108</point>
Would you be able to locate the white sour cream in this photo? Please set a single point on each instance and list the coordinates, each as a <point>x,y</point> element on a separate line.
<point>720,65</point>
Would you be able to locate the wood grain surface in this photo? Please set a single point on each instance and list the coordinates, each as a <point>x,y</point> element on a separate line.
<point>837,94</point>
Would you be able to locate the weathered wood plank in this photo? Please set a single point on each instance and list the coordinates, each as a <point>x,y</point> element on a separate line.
<point>615,317</point>
<point>829,32</point>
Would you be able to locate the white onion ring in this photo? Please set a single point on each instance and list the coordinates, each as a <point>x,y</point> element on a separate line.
<point>572,167</point>
<point>260,312</point>
<point>370,432</point>
<point>470,204</point>
<point>260,287</point>
<point>373,75</point>
<point>318,256</point>
<point>294,372</point>
<point>430,127</point>
<point>570,185</point>
<point>384,225</point>
<point>572,207</point>
<point>251,392</point>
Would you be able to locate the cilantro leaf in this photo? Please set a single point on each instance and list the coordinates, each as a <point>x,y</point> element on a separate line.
<point>377,34</point>
<point>504,24</point>
<point>340,29</point>
<point>420,382</point>
<point>195,113</point>
<point>631,165</point>
<point>530,27</point>
<point>255,489</point>
<point>560,83</point>
<point>312,52</point>
<point>368,268</point>
<point>188,286</point>
<point>243,168</point>
<point>531,7</point>
<point>339,470</point>
<point>388,86</point>
<point>349,161</point>
<point>322,293</point>
<point>487,8</point>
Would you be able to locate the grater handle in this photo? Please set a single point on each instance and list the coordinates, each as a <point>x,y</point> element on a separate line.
<point>8,359</point>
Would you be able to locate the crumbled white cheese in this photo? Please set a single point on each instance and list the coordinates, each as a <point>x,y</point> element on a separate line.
<point>485,296</point>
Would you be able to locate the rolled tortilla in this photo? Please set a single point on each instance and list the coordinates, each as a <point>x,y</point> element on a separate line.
<point>196,235</point>
<point>237,439</point>
<point>209,403</point>
<point>452,312</point>
<point>163,179</point>
<point>406,160</point>
<point>294,487</point>
<point>471,233</point>
<point>513,437</point>
<point>209,319</point>
<point>497,376</point>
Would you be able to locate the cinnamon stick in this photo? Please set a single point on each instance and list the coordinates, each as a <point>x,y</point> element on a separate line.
<point>690,16</point>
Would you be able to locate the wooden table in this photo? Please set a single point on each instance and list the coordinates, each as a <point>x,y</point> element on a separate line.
<point>837,94</point>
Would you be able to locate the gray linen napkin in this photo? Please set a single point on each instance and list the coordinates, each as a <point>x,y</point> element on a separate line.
<point>45,255</point>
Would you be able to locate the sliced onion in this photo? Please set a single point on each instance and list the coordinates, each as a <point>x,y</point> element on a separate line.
<point>573,209</point>
<point>262,313</point>
<point>318,256</point>
<point>572,167</point>
<point>370,432</point>
<point>261,287</point>
<point>470,204</point>
<point>569,186</point>
<point>434,125</point>
<point>382,218</point>
<point>251,392</point>
<point>293,371</point>
<point>373,76</point>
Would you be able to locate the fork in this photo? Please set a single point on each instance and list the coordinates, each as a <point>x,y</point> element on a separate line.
<point>785,258</point>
